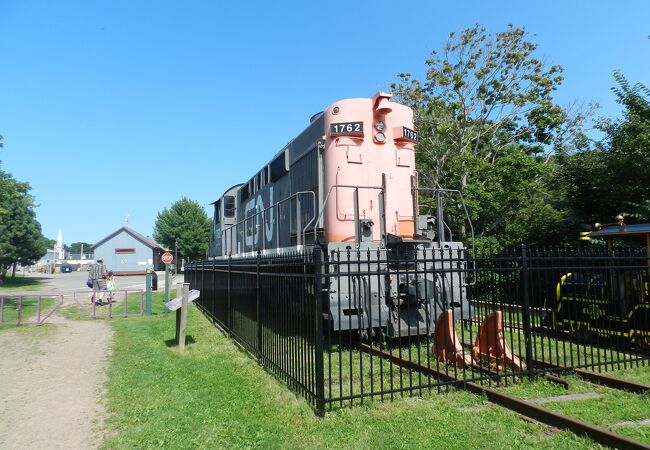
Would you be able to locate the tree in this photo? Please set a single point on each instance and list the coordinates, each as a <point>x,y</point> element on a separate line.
<point>611,178</point>
<point>488,126</point>
<point>185,223</point>
<point>21,240</point>
<point>75,247</point>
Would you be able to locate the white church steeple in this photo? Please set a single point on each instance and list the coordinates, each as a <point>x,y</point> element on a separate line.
<point>58,248</point>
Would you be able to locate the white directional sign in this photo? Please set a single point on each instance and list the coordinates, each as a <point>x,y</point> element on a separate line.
<point>176,303</point>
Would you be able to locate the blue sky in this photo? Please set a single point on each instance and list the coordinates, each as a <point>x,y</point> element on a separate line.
<point>113,110</point>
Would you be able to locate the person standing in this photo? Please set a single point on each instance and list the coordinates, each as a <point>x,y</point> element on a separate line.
<point>110,286</point>
<point>97,273</point>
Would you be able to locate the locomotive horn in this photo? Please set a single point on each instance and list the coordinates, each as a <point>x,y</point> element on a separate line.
<point>381,102</point>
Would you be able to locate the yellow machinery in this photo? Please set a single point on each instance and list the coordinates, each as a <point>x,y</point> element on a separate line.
<point>608,294</point>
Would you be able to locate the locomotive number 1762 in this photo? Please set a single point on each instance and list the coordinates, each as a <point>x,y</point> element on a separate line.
<point>409,134</point>
<point>346,129</point>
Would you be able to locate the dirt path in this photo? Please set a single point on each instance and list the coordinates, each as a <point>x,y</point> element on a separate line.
<point>50,384</point>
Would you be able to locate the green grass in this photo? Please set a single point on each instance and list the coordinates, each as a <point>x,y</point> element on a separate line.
<point>33,333</point>
<point>349,369</point>
<point>637,374</point>
<point>29,308</point>
<point>115,310</point>
<point>608,410</point>
<point>129,303</point>
<point>20,283</point>
<point>73,312</point>
<point>216,396</point>
<point>561,350</point>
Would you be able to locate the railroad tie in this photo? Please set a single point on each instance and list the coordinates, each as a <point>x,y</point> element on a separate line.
<point>564,398</point>
<point>632,423</point>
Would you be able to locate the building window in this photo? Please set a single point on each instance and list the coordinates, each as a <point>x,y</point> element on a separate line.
<point>124,251</point>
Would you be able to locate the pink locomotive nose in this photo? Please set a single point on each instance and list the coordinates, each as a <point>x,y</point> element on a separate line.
<point>365,147</point>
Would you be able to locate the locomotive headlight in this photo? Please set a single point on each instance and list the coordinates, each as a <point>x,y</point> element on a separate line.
<point>380,125</point>
<point>380,137</point>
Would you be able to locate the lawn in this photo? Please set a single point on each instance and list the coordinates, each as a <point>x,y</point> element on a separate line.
<point>21,284</point>
<point>611,410</point>
<point>29,304</point>
<point>29,310</point>
<point>216,396</point>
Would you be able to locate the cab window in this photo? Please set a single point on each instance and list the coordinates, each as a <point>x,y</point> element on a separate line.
<point>229,206</point>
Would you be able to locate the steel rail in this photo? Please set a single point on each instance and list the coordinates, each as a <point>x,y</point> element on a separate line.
<point>530,410</point>
<point>612,382</point>
<point>600,378</point>
<point>588,375</point>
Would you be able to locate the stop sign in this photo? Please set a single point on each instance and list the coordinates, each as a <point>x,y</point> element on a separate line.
<point>167,258</point>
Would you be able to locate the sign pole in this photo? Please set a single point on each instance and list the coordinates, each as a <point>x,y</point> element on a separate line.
<point>147,283</point>
<point>166,299</point>
<point>167,259</point>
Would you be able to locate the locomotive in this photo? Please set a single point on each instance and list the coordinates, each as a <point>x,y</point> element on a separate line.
<point>611,300</point>
<point>348,183</point>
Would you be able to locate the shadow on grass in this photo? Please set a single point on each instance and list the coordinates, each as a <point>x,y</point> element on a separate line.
<point>22,283</point>
<point>172,342</point>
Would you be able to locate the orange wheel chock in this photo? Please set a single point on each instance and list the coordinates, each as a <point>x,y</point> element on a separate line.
<point>446,346</point>
<point>490,345</point>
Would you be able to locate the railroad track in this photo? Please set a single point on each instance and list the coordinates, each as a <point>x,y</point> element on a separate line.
<point>525,408</point>
<point>600,378</point>
<point>588,375</point>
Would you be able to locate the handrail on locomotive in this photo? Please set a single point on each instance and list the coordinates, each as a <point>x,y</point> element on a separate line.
<point>357,218</point>
<point>437,192</point>
<point>301,236</point>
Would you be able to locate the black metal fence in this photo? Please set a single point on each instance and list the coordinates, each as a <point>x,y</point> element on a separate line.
<point>352,325</point>
<point>268,306</point>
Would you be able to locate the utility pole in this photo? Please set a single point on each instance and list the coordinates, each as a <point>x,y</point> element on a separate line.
<point>175,257</point>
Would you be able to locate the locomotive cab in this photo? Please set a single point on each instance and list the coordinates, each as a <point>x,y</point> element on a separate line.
<point>223,219</point>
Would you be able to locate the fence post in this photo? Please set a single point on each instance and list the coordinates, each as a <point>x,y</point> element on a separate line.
<point>259,318</point>
<point>203,276</point>
<point>212,292</point>
<point>525,308</point>
<point>319,357</point>
<point>228,320</point>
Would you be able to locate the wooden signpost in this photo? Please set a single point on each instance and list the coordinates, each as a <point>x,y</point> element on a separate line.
<point>179,304</point>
